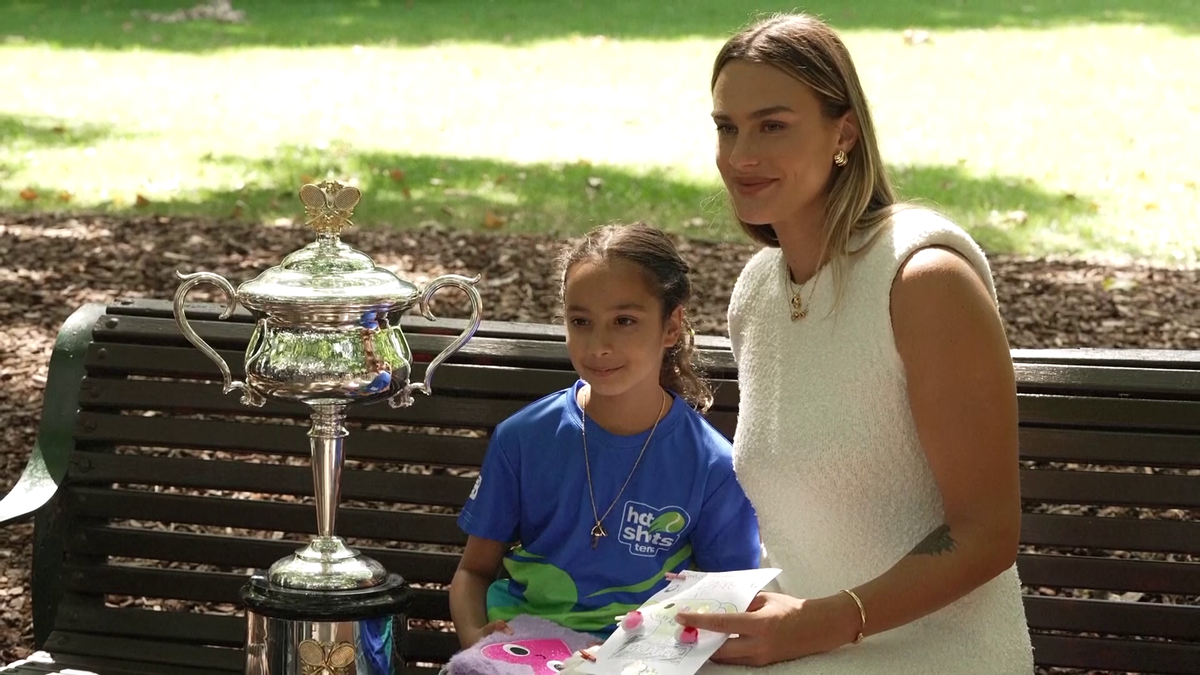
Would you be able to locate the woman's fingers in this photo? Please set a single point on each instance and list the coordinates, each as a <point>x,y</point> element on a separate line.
<point>741,623</point>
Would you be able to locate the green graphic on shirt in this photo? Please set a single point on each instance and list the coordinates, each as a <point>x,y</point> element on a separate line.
<point>551,593</point>
<point>671,522</point>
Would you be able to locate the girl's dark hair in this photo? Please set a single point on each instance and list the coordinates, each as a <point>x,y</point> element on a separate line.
<point>667,276</point>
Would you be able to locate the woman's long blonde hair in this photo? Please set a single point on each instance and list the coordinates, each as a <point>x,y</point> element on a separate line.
<point>860,195</point>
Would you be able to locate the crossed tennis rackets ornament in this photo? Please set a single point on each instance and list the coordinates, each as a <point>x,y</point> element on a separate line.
<point>325,658</point>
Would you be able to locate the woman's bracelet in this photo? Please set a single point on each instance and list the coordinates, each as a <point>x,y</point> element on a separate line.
<point>862,615</point>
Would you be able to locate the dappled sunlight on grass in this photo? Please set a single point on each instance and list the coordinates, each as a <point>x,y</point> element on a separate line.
<point>1070,139</point>
<point>120,24</point>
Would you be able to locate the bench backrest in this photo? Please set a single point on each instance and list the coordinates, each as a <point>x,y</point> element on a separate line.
<point>175,492</point>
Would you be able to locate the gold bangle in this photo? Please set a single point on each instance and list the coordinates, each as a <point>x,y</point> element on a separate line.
<point>862,615</point>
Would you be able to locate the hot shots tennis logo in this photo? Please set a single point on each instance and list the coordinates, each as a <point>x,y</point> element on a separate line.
<point>649,531</point>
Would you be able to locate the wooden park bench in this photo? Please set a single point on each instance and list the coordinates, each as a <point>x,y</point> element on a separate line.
<point>155,495</point>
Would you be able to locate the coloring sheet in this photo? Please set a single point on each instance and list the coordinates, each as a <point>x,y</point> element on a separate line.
<point>654,648</point>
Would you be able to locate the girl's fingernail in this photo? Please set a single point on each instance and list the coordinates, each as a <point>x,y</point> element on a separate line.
<point>689,635</point>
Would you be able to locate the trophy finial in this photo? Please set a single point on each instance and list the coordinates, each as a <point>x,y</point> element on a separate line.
<point>328,205</point>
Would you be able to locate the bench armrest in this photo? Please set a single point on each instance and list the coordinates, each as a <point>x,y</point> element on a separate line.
<point>60,404</point>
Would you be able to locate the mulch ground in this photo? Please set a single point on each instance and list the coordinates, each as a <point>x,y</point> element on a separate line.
<point>50,265</point>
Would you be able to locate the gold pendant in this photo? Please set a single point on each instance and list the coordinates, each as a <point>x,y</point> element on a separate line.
<point>798,312</point>
<point>597,532</point>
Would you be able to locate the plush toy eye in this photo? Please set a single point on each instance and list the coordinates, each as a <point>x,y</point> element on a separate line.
<point>516,650</point>
<point>556,665</point>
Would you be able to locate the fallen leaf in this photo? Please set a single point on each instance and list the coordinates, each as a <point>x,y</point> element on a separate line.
<point>58,129</point>
<point>397,174</point>
<point>29,195</point>
<point>913,36</point>
<point>407,192</point>
<point>493,221</point>
<point>65,196</point>
<point>500,179</point>
<point>141,201</point>
<point>306,179</point>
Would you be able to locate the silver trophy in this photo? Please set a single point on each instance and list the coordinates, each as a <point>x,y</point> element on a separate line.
<point>328,335</point>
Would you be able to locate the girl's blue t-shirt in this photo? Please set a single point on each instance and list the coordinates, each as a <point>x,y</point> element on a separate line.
<point>683,508</point>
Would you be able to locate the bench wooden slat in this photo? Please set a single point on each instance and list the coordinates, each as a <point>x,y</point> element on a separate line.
<point>114,656</point>
<point>437,410</point>
<point>238,552</point>
<point>1119,534</point>
<point>490,377</point>
<point>1114,414</point>
<point>221,587</point>
<point>1179,622</point>
<point>1110,654</point>
<point>292,440</point>
<point>212,630</point>
<point>1109,574</point>
<point>203,474</point>
<point>1110,488</point>
<point>365,523</point>
<point>1086,446</point>
<point>1139,382</point>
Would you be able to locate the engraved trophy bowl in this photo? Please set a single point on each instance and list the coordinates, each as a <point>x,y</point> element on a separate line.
<point>327,334</point>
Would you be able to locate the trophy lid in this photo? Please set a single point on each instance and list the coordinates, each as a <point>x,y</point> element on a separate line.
<point>327,274</point>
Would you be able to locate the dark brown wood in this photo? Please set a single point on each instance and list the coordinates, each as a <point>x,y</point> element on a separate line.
<point>1116,655</point>
<point>1113,414</point>
<point>220,587</point>
<point>122,656</point>
<point>239,552</point>
<point>1115,534</point>
<point>1109,574</point>
<point>1124,408</point>
<point>493,374</point>
<point>1082,615</point>
<point>96,467</point>
<point>248,437</point>
<point>365,523</point>
<point>1096,380</point>
<point>1110,447</point>
<point>1110,488</point>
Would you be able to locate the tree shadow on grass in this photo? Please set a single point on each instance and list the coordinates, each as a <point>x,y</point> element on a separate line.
<point>1006,214</point>
<point>121,25</point>
<point>26,132</point>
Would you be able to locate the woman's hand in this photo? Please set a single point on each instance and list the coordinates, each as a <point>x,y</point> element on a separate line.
<point>777,627</point>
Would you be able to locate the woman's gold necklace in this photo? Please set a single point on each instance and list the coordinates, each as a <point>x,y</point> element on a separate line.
<point>598,530</point>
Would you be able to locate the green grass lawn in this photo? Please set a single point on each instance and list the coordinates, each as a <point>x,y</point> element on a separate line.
<point>1044,127</point>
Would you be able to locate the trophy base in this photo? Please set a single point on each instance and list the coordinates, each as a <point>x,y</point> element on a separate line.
<point>348,632</point>
<point>327,564</point>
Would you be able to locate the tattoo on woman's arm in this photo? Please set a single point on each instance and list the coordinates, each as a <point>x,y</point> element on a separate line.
<point>939,541</point>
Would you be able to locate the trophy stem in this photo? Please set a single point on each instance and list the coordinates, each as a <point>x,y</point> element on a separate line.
<point>326,434</point>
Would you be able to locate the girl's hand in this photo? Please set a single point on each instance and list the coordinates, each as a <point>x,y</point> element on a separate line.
<point>778,627</point>
<point>498,626</point>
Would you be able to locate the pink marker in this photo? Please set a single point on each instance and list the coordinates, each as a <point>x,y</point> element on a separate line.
<point>632,621</point>
<point>689,635</point>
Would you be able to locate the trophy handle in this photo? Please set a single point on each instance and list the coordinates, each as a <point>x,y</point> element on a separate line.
<point>190,280</point>
<point>404,397</point>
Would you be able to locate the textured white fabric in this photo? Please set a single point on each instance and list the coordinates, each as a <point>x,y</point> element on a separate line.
<point>826,448</point>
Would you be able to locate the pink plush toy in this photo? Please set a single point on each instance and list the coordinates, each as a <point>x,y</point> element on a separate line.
<point>536,647</point>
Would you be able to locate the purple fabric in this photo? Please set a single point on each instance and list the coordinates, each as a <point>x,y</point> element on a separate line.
<point>536,647</point>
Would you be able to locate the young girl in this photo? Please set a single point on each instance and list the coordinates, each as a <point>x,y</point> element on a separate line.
<point>590,496</point>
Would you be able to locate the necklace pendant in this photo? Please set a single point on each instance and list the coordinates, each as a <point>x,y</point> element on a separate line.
<point>597,532</point>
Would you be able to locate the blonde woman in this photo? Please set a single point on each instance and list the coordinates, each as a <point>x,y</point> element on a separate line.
<point>878,429</point>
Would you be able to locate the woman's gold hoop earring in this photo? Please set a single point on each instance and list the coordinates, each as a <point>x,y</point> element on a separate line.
<point>840,158</point>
